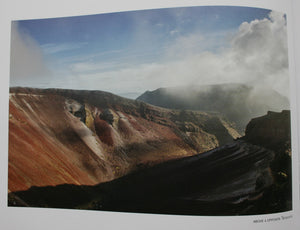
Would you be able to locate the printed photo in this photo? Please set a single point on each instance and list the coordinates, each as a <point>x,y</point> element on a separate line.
<point>182,111</point>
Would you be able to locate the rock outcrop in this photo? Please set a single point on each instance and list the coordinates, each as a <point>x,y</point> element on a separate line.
<point>273,131</point>
<point>270,130</point>
<point>108,116</point>
<point>76,109</point>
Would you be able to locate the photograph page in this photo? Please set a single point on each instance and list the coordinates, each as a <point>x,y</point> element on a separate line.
<point>157,116</point>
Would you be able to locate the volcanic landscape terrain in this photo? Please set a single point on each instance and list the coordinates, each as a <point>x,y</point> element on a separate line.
<point>95,150</point>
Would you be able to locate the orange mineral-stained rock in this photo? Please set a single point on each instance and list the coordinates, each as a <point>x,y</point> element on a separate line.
<point>45,150</point>
<point>88,137</point>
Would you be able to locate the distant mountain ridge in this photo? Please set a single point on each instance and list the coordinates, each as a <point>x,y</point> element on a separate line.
<point>237,102</point>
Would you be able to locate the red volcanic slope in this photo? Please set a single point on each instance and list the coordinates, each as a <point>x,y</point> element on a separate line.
<point>103,131</point>
<point>62,136</point>
<point>44,149</point>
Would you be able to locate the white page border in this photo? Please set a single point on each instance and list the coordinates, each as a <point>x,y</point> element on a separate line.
<point>40,218</point>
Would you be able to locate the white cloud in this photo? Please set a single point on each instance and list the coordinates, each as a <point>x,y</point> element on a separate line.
<point>173,32</point>
<point>257,55</point>
<point>27,60</point>
<point>260,51</point>
<point>51,48</point>
<point>87,67</point>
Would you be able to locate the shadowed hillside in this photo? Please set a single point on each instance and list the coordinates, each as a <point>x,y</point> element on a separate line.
<point>193,185</point>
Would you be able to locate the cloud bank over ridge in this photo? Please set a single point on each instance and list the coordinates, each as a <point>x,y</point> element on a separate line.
<point>255,54</point>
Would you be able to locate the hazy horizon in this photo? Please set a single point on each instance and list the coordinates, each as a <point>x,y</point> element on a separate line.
<point>128,53</point>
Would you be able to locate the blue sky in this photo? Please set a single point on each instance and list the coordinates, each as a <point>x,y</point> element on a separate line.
<point>129,52</point>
